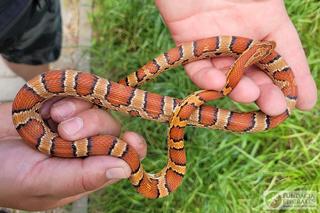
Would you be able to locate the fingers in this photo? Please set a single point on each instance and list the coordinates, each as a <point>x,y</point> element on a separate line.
<point>255,86</point>
<point>88,123</point>
<point>258,87</point>
<point>46,107</point>
<point>246,91</point>
<point>269,95</point>
<point>289,46</point>
<point>68,108</point>
<point>136,141</point>
<point>205,75</point>
<point>115,168</point>
<point>72,177</point>
<point>76,119</point>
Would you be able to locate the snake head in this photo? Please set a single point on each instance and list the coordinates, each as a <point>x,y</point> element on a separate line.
<point>260,50</point>
<point>265,48</point>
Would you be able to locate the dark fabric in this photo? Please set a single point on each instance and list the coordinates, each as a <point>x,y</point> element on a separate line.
<point>4,4</point>
<point>35,38</point>
<point>10,11</point>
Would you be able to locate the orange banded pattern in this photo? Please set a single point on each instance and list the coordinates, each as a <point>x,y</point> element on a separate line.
<point>124,97</point>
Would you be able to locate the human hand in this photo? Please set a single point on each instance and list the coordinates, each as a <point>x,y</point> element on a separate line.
<point>261,20</point>
<point>31,180</point>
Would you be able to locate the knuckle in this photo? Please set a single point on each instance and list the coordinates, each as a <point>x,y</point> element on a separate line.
<point>87,183</point>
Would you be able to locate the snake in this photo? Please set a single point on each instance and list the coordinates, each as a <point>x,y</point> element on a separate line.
<point>125,97</point>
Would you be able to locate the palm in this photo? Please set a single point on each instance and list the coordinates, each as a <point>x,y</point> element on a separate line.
<point>15,152</point>
<point>40,182</point>
<point>231,18</point>
<point>254,19</point>
<point>34,174</point>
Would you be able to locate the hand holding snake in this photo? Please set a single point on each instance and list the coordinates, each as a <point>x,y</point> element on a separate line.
<point>230,17</point>
<point>124,97</point>
<point>207,27</point>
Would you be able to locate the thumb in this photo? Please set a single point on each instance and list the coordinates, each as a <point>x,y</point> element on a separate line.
<point>77,176</point>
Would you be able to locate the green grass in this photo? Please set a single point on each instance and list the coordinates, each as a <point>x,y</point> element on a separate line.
<point>226,172</point>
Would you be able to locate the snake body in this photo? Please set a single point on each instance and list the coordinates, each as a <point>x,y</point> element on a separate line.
<point>124,97</point>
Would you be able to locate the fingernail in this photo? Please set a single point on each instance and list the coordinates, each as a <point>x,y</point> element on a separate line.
<point>64,109</point>
<point>72,125</point>
<point>116,173</point>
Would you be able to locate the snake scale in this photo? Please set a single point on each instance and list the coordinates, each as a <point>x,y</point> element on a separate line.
<point>125,97</point>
